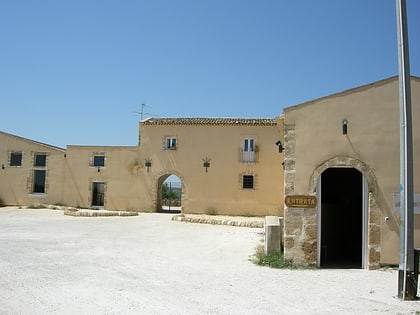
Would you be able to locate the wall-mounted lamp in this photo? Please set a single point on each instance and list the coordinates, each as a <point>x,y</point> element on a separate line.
<point>148,164</point>
<point>344,126</point>
<point>206,163</point>
<point>2,166</point>
<point>281,148</point>
<point>99,169</point>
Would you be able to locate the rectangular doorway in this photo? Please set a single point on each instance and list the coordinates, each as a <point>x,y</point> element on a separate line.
<point>342,232</point>
<point>98,194</point>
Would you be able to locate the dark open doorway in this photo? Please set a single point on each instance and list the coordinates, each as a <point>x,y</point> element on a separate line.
<point>98,194</point>
<point>341,218</point>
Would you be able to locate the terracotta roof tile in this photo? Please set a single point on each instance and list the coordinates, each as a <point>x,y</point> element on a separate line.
<point>211,121</point>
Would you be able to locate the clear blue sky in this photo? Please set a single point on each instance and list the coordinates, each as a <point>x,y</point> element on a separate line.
<point>75,72</point>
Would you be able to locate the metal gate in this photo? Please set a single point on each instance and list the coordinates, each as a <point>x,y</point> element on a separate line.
<point>171,197</point>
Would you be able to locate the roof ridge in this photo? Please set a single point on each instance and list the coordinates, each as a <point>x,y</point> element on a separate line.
<point>33,141</point>
<point>209,121</point>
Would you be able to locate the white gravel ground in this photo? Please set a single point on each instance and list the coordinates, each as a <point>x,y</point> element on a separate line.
<point>56,264</point>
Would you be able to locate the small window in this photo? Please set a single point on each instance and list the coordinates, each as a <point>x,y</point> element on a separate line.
<point>170,144</point>
<point>39,181</point>
<point>248,182</point>
<point>40,160</point>
<point>15,159</point>
<point>98,160</point>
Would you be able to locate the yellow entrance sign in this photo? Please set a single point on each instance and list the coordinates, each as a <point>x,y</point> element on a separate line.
<point>300,201</point>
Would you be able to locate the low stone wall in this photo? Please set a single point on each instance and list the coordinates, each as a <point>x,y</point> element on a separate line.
<point>98,213</point>
<point>214,220</point>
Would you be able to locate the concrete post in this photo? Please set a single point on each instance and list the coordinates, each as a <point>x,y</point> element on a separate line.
<point>273,236</point>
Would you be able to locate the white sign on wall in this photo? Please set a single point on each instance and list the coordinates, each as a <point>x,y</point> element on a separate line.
<point>416,203</point>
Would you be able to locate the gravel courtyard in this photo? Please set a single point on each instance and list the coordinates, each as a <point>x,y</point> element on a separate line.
<point>56,264</point>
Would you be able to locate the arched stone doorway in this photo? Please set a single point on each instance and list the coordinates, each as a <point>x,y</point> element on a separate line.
<point>169,193</point>
<point>358,185</point>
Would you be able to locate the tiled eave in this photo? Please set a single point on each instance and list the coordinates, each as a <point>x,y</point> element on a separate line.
<point>211,121</point>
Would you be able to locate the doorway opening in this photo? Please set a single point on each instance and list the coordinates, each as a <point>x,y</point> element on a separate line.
<point>342,222</point>
<point>169,194</point>
<point>98,194</point>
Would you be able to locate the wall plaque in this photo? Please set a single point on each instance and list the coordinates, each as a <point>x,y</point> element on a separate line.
<point>300,201</point>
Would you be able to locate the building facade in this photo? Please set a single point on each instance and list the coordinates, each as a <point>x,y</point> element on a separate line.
<point>344,150</point>
<point>225,165</point>
<point>341,157</point>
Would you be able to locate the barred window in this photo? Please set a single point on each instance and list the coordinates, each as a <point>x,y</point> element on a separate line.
<point>248,182</point>
<point>15,159</point>
<point>40,159</point>
<point>99,160</point>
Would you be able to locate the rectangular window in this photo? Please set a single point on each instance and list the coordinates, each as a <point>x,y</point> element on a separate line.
<point>40,160</point>
<point>15,159</point>
<point>248,150</point>
<point>39,181</point>
<point>98,160</point>
<point>249,145</point>
<point>170,144</point>
<point>248,182</point>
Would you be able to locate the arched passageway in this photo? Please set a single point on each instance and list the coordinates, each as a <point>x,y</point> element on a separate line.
<point>169,198</point>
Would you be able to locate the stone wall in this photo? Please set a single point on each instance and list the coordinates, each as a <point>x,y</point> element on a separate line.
<point>374,233</point>
<point>300,236</point>
<point>300,225</point>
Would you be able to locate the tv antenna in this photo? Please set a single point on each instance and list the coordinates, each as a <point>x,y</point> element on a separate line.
<point>142,112</point>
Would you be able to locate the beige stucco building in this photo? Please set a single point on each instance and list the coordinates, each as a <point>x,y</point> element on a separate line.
<point>341,149</point>
<point>353,170</point>
<point>226,166</point>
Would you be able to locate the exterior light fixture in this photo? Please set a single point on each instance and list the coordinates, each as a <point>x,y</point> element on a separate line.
<point>99,169</point>
<point>148,164</point>
<point>2,166</point>
<point>206,163</point>
<point>344,126</point>
<point>280,145</point>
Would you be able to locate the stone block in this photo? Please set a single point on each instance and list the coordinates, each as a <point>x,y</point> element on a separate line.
<point>374,234</point>
<point>309,251</point>
<point>289,164</point>
<point>374,258</point>
<point>289,189</point>
<point>311,231</point>
<point>292,224</point>
<point>289,242</point>
<point>273,234</point>
<point>375,217</point>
